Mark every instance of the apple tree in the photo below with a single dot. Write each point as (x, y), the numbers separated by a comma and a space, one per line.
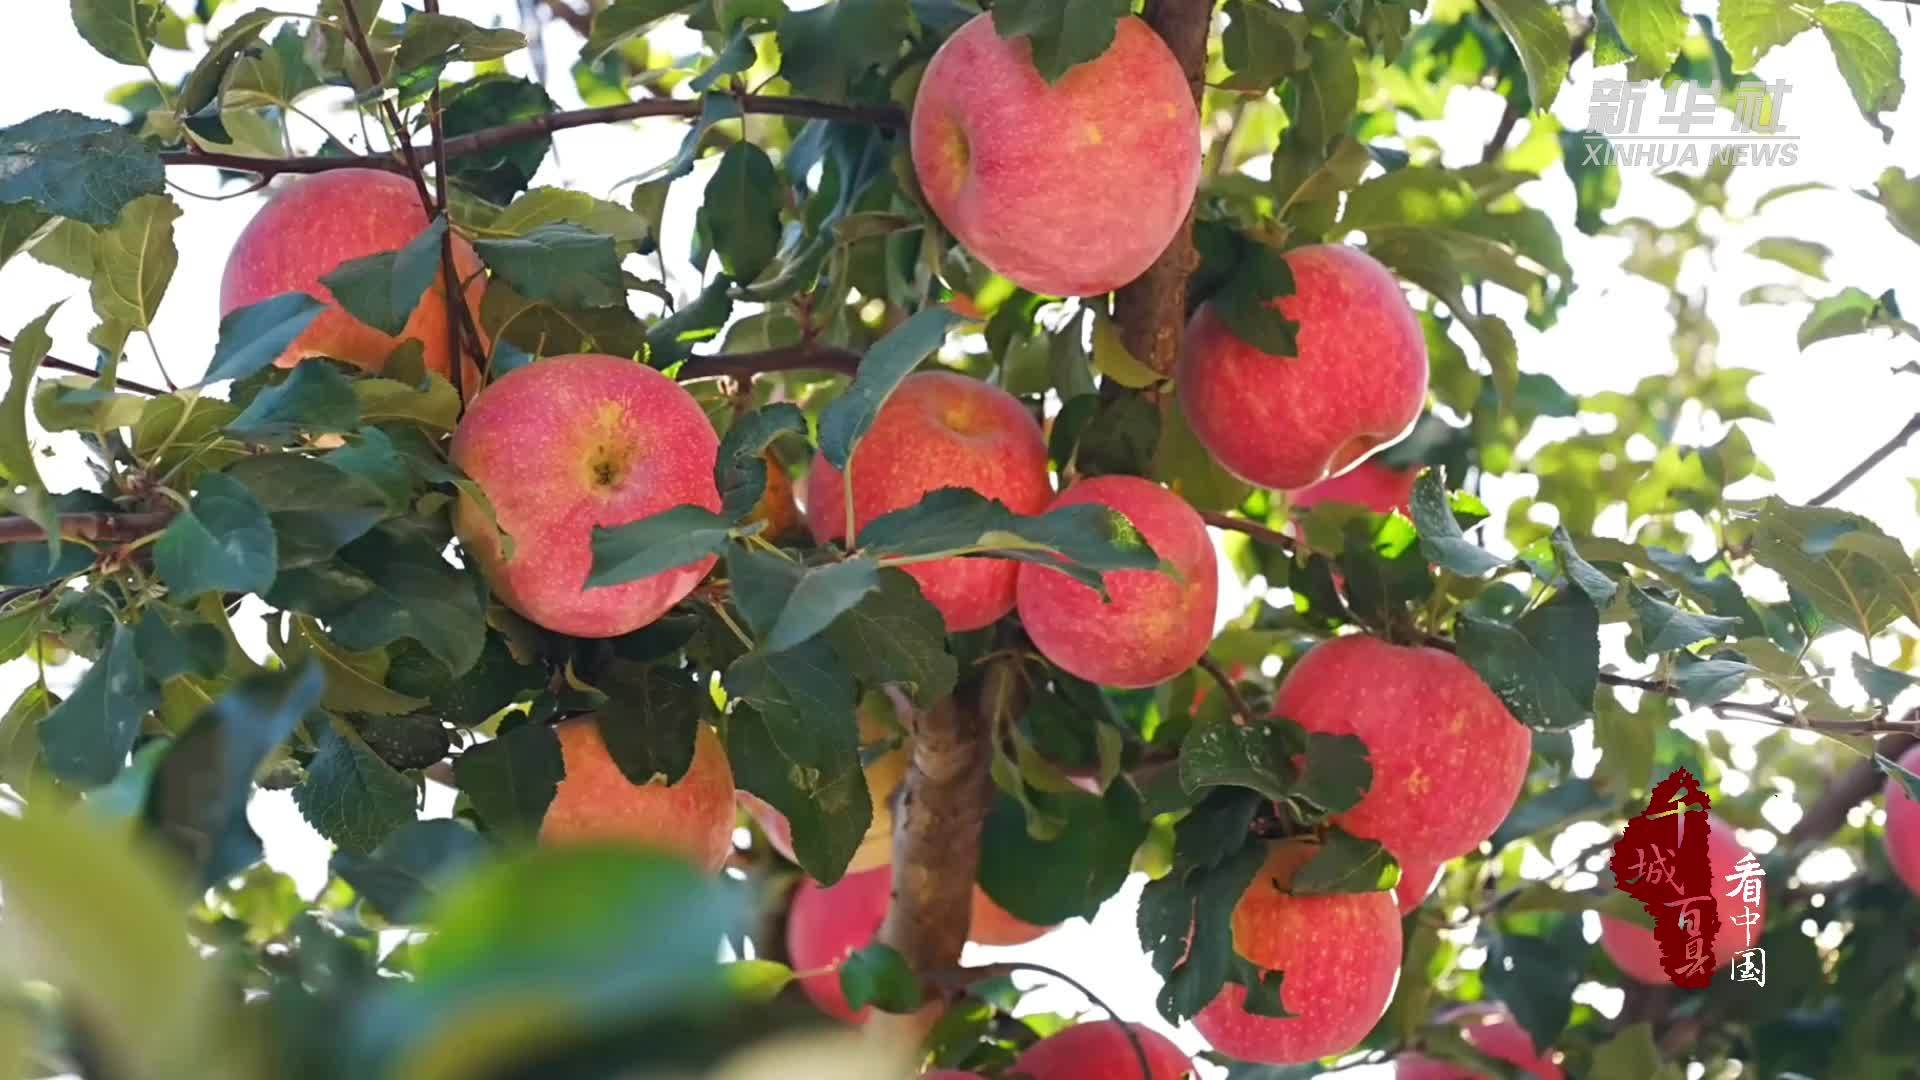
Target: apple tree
(1073, 463)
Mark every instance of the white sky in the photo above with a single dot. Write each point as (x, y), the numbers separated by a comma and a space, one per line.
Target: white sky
(1831, 405)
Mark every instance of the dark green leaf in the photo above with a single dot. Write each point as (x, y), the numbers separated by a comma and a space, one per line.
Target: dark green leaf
(350, 796)
(741, 470)
(878, 975)
(383, 290)
(488, 102)
(625, 19)
(1882, 684)
(1539, 35)
(1256, 756)
(1121, 437)
(1185, 924)
(561, 263)
(1063, 33)
(1902, 775)
(1545, 666)
(1441, 538)
(412, 593)
(1703, 682)
(198, 799)
(254, 336)
(1664, 627)
(120, 30)
(512, 779)
(412, 741)
(653, 545)
(1595, 171)
(76, 167)
(202, 87)
(1345, 863)
(1552, 810)
(1086, 862)
(824, 51)
(86, 738)
(1845, 564)
(1535, 976)
(1092, 538)
(315, 507)
(495, 681)
(742, 211)
(405, 874)
(176, 641)
(820, 596)
(650, 721)
(1338, 772)
(895, 636)
(891, 359)
(315, 399)
(1598, 586)
(1246, 302)
(224, 542)
(429, 41)
(1257, 45)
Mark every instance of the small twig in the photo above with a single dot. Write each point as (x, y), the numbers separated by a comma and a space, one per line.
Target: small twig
(1511, 114)
(402, 144)
(1234, 696)
(582, 22)
(99, 527)
(1848, 790)
(791, 358)
(449, 273)
(57, 364)
(961, 977)
(1251, 528)
(1885, 450)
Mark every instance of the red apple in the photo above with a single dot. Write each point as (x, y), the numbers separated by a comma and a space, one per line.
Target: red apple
(1376, 487)
(1903, 826)
(1448, 758)
(942, 430)
(595, 800)
(1636, 952)
(1289, 421)
(1339, 956)
(1071, 189)
(1492, 1032)
(1417, 879)
(1100, 1050)
(951, 1074)
(991, 924)
(1155, 625)
(567, 444)
(883, 777)
(313, 225)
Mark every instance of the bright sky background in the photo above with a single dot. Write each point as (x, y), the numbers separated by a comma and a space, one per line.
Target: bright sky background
(1831, 405)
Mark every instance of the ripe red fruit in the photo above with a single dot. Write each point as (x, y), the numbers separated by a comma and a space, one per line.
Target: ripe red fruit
(1903, 825)
(1155, 625)
(313, 225)
(1358, 384)
(1448, 758)
(1376, 487)
(941, 430)
(1417, 879)
(1493, 1033)
(1636, 952)
(596, 802)
(567, 444)
(1100, 1050)
(991, 924)
(1071, 189)
(1339, 955)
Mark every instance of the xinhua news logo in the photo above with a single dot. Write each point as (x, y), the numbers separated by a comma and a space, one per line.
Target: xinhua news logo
(1687, 125)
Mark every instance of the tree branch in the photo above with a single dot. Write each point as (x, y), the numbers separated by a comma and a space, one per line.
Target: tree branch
(1847, 790)
(101, 527)
(460, 322)
(1234, 697)
(358, 33)
(1885, 450)
(790, 358)
(1152, 309)
(581, 21)
(1251, 528)
(57, 364)
(886, 116)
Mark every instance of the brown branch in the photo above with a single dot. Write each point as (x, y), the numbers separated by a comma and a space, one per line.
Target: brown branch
(100, 527)
(456, 291)
(57, 364)
(936, 825)
(1234, 697)
(1251, 528)
(581, 21)
(411, 156)
(1152, 309)
(1849, 789)
(886, 116)
(790, 358)
(1886, 450)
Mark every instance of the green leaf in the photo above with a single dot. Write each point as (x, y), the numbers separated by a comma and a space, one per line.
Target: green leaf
(76, 167)
(1090, 537)
(410, 869)
(18, 466)
(1752, 27)
(202, 87)
(1707, 681)
(1882, 684)
(134, 261)
(650, 721)
(224, 542)
(1590, 163)
(741, 469)
(316, 508)
(1255, 756)
(630, 231)
(198, 799)
(895, 637)
(1653, 29)
(315, 399)
(511, 780)
(1188, 468)
(878, 975)
(1535, 975)
(1086, 862)
(1441, 538)
(1899, 195)
(1846, 565)
(1119, 436)
(1539, 35)
(488, 102)
(653, 545)
(797, 746)
(1338, 772)
(176, 641)
(430, 41)
(254, 336)
(741, 210)
(1852, 311)
(495, 681)
(1345, 863)
(1423, 258)
(1806, 256)
(350, 796)
(1631, 1053)
(820, 596)
(623, 20)
(560, 263)
(1113, 359)
(1246, 302)
(402, 588)
(1062, 33)
(1902, 775)
(120, 30)
(756, 981)
(1185, 923)
(891, 359)
(825, 51)
(1598, 586)
(1257, 45)
(1544, 667)
(22, 227)
(1867, 54)
(383, 290)
(354, 680)
(1664, 627)
(86, 738)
